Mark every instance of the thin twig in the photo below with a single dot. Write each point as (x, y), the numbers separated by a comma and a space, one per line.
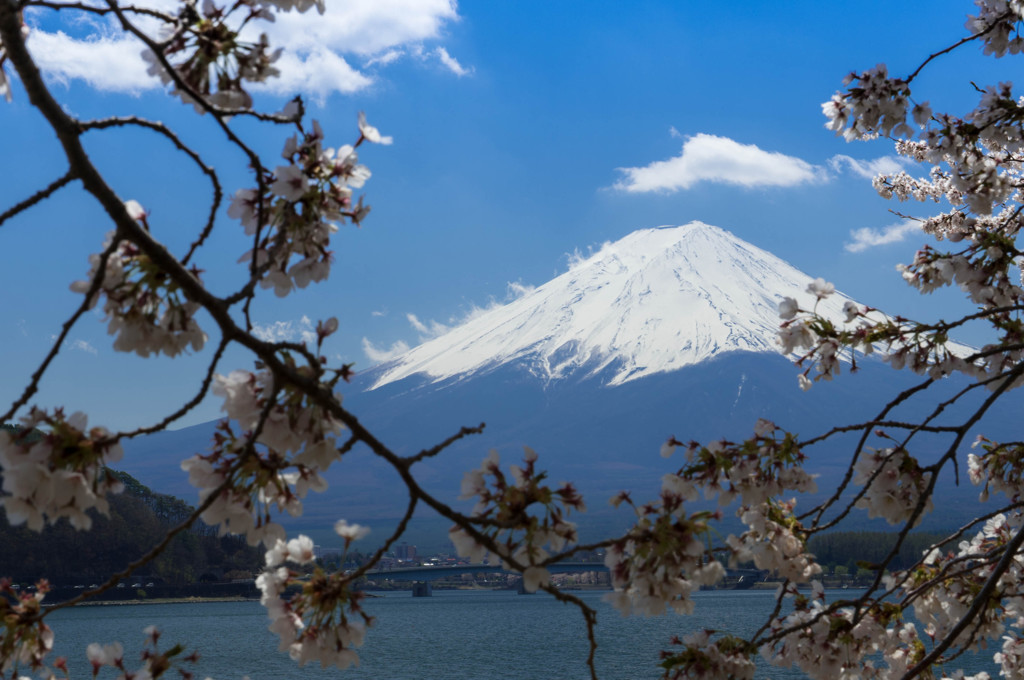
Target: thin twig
(35, 198)
(218, 192)
(434, 450)
(189, 405)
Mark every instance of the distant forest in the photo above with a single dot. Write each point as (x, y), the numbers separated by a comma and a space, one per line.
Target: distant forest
(855, 550)
(138, 520)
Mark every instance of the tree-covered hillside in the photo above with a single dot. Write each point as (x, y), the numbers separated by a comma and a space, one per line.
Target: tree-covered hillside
(139, 518)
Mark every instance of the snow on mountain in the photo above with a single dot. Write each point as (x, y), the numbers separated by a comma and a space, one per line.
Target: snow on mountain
(652, 302)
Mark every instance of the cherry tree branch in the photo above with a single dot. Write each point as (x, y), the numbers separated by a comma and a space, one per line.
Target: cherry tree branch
(37, 197)
(160, 128)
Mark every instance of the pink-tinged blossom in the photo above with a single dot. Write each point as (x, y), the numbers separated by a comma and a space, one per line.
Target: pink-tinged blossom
(144, 309)
(788, 308)
(895, 485)
(104, 655)
(534, 578)
(350, 532)
(135, 210)
(370, 133)
(289, 183)
(466, 545)
(820, 288)
(62, 474)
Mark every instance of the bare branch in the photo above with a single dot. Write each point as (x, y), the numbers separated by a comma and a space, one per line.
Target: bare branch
(35, 198)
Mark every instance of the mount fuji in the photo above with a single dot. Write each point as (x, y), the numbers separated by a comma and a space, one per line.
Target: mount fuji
(666, 332)
(653, 302)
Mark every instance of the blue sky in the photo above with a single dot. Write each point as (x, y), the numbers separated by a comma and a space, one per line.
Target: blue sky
(524, 131)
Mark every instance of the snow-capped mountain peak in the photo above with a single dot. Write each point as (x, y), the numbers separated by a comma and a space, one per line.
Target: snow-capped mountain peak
(654, 301)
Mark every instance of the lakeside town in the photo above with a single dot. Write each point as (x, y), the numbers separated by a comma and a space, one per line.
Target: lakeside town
(405, 569)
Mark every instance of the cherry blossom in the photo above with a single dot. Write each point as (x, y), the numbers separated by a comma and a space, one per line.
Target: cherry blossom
(285, 420)
(61, 474)
(145, 310)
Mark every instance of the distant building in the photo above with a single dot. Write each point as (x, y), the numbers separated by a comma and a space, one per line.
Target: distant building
(322, 552)
(405, 552)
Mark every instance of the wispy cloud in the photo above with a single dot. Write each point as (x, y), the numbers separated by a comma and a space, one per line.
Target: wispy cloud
(709, 158)
(378, 355)
(316, 50)
(428, 330)
(886, 165)
(83, 346)
(518, 289)
(451, 63)
(388, 57)
(78, 345)
(302, 330)
(868, 238)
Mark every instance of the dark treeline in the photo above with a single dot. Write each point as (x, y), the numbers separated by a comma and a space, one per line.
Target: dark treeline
(139, 519)
(854, 550)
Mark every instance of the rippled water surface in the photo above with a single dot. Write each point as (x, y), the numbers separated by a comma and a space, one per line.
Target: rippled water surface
(454, 635)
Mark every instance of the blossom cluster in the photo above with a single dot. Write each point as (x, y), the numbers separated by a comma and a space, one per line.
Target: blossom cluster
(764, 466)
(60, 472)
(26, 639)
(300, 205)
(145, 309)
(945, 586)
(894, 485)
(323, 621)
(1000, 468)
(155, 662)
(703, 658)
(252, 474)
(662, 558)
(207, 56)
(827, 642)
(521, 518)
(820, 342)
(774, 540)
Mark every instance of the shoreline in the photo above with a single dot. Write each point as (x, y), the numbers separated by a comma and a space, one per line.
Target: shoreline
(157, 600)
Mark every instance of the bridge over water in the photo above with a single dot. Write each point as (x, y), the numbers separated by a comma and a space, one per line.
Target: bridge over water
(423, 573)
(445, 571)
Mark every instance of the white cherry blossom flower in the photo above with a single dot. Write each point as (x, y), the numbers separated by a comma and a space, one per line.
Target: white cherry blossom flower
(370, 133)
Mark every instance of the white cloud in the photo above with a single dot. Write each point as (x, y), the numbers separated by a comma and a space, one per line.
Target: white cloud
(317, 72)
(886, 165)
(364, 27)
(377, 355)
(868, 238)
(313, 60)
(518, 289)
(451, 62)
(379, 312)
(431, 329)
(107, 63)
(83, 346)
(384, 59)
(709, 158)
(302, 330)
(80, 345)
(426, 331)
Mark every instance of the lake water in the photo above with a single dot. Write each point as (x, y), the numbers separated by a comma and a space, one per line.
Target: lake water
(454, 635)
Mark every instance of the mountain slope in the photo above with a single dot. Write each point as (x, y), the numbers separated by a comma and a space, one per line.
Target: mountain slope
(666, 332)
(654, 301)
